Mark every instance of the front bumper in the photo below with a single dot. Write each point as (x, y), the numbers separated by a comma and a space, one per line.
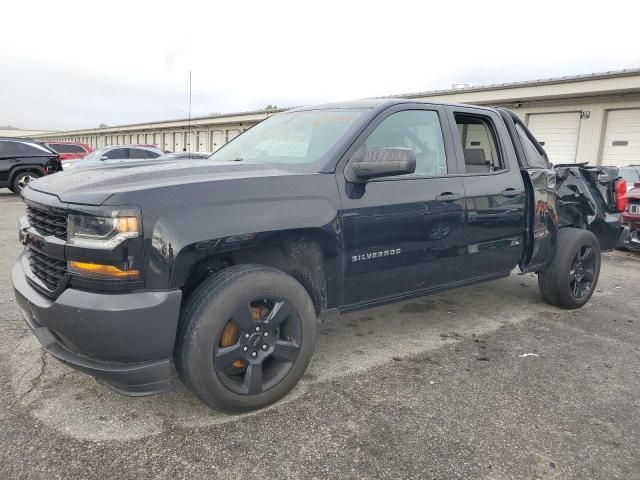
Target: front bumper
(124, 340)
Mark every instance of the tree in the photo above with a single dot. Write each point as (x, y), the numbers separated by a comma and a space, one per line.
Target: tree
(103, 125)
(271, 107)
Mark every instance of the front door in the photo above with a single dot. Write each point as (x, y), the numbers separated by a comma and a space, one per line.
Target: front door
(402, 233)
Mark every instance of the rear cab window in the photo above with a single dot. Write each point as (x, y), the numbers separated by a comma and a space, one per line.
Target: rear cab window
(478, 138)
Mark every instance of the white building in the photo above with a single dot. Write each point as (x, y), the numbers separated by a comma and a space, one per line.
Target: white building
(586, 118)
(22, 132)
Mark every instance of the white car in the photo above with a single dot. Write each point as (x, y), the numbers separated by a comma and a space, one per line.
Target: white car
(113, 155)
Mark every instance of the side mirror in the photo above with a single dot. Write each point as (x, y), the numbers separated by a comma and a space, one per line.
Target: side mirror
(103, 158)
(382, 162)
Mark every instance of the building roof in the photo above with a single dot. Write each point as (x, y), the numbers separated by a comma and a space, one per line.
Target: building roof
(262, 114)
(524, 83)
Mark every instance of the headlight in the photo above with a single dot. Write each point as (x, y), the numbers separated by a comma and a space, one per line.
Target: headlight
(101, 232)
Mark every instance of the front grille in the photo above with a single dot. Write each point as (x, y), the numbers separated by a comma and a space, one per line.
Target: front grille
(48, 223)
(634, 208)
(50, 270)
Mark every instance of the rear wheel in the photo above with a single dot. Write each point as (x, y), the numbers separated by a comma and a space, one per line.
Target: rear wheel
(22, 179)
(247, 337)
(570, 279)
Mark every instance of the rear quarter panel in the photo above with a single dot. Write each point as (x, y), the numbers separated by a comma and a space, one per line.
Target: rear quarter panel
(581, 204)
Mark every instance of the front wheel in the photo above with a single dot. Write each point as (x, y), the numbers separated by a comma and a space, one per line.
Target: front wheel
(571, 278)
(247, 337)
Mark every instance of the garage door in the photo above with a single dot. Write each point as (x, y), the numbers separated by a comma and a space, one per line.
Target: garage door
(201, 141)
(178, 141)
(558, 134)
(231, 134)
(217, 139)
(622, 138)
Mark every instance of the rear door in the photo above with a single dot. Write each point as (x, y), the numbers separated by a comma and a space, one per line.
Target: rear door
(402, 233)
(494, 192)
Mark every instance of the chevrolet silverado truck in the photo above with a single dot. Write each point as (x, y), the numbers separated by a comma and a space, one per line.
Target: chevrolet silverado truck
(222, 267)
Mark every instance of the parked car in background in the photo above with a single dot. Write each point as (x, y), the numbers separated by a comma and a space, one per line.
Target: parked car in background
(631, 174)
(70, 150)
(185, 155)
(114, 154)
(23, 160)
(631, 218)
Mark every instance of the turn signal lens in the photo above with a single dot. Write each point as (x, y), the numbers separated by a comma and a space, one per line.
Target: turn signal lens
(101, 271)
(127, 224)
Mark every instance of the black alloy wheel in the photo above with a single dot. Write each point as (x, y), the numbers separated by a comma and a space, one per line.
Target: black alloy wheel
(570, 279)
(582, 272)
(246, 338)
(265, 348)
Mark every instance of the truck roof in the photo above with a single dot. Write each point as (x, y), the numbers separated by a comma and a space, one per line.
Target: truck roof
(374, 103)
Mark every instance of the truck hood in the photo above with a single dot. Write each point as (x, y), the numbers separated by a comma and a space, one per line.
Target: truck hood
(93, 186)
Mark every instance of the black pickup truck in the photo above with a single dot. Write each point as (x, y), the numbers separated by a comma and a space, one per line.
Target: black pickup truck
(223, 266)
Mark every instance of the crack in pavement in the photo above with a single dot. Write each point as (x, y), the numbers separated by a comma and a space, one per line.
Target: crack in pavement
(35, 382)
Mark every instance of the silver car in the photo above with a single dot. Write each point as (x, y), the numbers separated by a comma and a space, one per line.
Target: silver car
(113, 155)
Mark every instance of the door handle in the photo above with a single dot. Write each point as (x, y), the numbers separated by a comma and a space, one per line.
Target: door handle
(511, 192)
(448, 197)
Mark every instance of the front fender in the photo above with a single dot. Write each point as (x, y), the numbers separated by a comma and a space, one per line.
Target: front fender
(179, 234)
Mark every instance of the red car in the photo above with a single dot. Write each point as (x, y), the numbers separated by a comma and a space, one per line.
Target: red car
(631, 217)
(71, 150)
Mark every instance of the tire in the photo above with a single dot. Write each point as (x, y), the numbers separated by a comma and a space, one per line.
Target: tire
(571, 278)
(223, 300)
(21, 180)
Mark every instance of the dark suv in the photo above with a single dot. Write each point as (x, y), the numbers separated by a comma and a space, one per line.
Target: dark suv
(22, 160)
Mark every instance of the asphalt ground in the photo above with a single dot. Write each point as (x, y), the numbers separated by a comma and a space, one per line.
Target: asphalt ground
(481, 382)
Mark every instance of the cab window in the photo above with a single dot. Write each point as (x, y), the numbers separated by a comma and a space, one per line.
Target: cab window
(479, 144)
(418, 130)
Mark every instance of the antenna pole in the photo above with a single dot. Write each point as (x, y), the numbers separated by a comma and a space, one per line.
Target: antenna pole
(189, 119)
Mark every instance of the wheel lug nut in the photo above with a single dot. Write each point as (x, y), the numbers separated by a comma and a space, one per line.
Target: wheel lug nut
(257, 329)
(264, 347)
(245, 349)
(266, 334)
(246, 335)
(254, 354)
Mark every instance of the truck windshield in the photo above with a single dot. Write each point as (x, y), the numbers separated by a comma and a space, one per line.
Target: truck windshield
(293, 138)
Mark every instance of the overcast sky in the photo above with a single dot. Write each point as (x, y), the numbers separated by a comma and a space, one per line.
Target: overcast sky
(67, 65)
